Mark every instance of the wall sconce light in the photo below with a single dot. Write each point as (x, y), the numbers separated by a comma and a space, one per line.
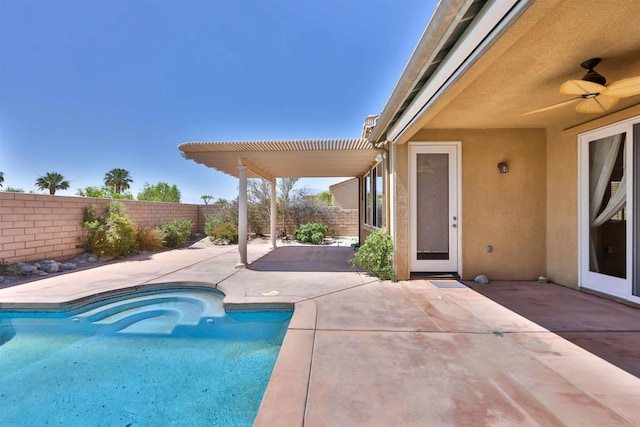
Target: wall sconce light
(503, 167)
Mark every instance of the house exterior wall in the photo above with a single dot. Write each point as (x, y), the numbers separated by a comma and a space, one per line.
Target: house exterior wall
(401, 209)
(507, 211)
(562, 208)
(345, 194)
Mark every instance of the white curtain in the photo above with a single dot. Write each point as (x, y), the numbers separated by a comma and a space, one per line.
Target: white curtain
(604, 153)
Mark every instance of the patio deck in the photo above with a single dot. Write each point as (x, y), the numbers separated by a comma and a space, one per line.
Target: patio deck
(363, 352)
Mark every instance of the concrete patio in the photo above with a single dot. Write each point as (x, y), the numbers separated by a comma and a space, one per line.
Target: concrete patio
(363, 352)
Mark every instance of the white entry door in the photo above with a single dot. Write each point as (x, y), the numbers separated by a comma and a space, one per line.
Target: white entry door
(434, 205)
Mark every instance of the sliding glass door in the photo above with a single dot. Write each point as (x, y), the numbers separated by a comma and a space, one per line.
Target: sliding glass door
(608, 165)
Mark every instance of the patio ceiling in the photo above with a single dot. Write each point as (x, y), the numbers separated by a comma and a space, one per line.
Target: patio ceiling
(310, 158)
(524, 69)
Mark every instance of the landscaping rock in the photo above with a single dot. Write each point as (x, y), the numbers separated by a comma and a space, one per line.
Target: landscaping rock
(27, 269)
(66, 266)
(482, 279)
(48, 266)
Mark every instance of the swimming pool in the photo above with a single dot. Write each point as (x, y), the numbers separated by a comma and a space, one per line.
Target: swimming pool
(158, 358)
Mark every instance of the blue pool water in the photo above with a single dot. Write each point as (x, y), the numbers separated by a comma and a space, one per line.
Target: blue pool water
(154, 359)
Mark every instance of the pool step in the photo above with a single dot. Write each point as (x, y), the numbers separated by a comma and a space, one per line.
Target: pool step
(155, 314)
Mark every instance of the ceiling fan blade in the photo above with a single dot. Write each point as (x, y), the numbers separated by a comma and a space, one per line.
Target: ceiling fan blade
(581, 87)
(596, 105)
(554, 106)
(624, 88)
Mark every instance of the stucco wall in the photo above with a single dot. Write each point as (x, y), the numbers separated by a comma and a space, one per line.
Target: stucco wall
(402, 212)
(562, 208)
(507, 211)
(345, 194)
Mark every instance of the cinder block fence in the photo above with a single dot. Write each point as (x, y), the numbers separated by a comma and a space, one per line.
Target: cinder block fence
(38, 226)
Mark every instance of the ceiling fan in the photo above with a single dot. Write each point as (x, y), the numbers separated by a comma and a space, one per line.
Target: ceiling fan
(592, 91)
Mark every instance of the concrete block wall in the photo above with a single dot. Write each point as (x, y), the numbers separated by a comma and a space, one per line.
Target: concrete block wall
(344, 222)
(38, 226)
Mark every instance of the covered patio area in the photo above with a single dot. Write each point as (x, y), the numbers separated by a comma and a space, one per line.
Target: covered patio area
(305, 158)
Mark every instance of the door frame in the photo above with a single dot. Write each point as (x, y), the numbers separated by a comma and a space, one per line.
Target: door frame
(615, 286)
(456, 175)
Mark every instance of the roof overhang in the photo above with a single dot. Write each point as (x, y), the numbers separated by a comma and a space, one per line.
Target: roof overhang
(305, 158)
(510, 61)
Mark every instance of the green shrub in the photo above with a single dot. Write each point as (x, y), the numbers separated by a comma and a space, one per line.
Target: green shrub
(150, 239)
(226, 231)
(177, 232)
(311, 233)
(111, 234)
(94, 230)
(120, 234)
(375, 255)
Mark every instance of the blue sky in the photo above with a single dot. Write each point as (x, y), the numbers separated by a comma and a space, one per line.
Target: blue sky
(88, 86)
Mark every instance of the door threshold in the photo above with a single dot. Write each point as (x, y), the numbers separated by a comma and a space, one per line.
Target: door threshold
(415, 275)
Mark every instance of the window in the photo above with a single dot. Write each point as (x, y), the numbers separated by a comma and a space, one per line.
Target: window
(373, 194)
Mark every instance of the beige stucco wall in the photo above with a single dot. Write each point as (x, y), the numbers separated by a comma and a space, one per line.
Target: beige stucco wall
(507, 211)
(401, 210)
(562, 207)
(345, 194)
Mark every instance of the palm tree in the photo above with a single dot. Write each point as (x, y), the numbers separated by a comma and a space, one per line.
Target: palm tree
(119, 179)
(52, 181)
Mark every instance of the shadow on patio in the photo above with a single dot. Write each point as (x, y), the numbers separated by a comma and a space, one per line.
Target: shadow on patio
(606, 328)
(306, 258)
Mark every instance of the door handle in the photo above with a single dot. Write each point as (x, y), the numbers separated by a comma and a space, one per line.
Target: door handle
(454, 226)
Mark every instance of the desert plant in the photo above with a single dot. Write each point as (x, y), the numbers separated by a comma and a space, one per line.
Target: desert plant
(177, 232)
(311, 233)
(375, 255)
(111, 234)
(119, 231)
(150, 239)
(225, 231)
(119, 179)
(160, 192)
(13, 190)
(94, 230)
(52, 181)
(304, 209)
(227, 212)
(206, 198)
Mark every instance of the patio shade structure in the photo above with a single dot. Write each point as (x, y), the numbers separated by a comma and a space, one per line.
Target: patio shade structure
(303, 158)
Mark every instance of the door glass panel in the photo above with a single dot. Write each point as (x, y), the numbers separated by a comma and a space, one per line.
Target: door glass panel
(607, 206)
(432, 204)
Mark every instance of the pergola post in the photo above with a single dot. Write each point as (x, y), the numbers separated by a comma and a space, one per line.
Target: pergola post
(242, 218)
(274, 214)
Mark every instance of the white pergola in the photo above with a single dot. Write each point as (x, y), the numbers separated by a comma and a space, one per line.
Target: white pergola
(306, 158)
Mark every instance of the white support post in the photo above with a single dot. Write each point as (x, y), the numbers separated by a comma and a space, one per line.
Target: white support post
(274, 214)
(242, 218)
